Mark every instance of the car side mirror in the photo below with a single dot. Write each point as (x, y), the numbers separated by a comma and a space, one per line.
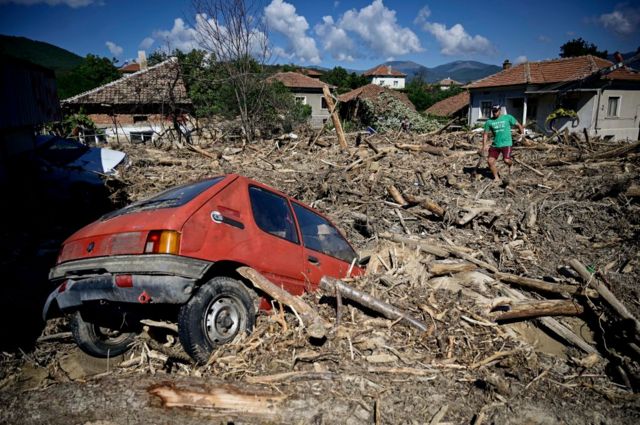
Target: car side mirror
(363, 261)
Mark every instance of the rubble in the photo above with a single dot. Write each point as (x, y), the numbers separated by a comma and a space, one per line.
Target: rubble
(448, 247)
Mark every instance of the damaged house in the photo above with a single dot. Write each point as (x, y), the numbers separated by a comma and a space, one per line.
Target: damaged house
(139, 106)
(351, 102)
(602, 99)
(307, 91)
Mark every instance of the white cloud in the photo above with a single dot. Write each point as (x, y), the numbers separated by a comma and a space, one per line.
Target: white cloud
(456, 41)
(71, 3)
(181, 37)
(114, 48)
(521, 59)
(335, 40)
(623, 20)
(146, 43)
(282, 17)
(423, 14)
(544, 39)
(377, 26)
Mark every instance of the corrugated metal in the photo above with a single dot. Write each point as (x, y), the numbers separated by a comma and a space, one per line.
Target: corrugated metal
(27, 94)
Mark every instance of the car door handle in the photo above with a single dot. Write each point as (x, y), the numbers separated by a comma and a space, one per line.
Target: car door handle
(313, 260)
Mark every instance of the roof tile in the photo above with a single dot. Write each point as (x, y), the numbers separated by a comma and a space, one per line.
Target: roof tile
(450, 105)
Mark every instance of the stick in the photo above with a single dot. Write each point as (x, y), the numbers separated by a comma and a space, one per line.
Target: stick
(525, 165)
(334, 117)
(529, 309)
(291, 376)
(331, 285)
(314, 324)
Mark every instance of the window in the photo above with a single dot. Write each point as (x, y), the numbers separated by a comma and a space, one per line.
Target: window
(173, 197)
(395, 83)
(612, 108)
(302, 100)
(319, 235)
(324, 103)
(140, 136)
(272, 214)
(485, 109)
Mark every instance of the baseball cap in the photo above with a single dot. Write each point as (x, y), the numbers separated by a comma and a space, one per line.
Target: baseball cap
(496, 107)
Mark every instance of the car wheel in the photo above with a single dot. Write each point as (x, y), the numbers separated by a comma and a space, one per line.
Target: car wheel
(99, 341)
(219, 311)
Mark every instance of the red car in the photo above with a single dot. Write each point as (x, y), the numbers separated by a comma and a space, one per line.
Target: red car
(177, 253)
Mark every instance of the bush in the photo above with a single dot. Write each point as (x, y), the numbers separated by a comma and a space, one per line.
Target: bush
(387, 113)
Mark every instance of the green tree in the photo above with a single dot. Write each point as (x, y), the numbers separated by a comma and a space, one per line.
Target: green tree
(580, 47)
(156, 57)
(93, 72)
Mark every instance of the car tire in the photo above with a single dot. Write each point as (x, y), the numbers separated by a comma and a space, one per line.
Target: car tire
(219, 311)
(99, 341)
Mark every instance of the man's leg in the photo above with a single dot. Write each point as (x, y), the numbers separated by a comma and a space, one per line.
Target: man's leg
(506, 157)
(491, 160)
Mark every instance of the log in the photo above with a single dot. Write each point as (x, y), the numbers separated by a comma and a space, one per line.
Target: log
(334, 117)
(315, 325)
(529, 309)
(605, 293)
(633, 191)
(396, 195)
(439, 268)
(331, 285)
(541, 285)
(427, 204)
(436, 250)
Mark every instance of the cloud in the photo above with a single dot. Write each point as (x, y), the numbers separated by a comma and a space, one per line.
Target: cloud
(181, 37)
(544, 39)
(456, 41)
(71, 3)
(335, 40)
(282, 17)
(114, 48)
(146, 43)
(423, 14)
(521, 59)
(623, 20)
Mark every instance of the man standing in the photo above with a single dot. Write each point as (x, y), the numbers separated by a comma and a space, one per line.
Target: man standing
(500, 127)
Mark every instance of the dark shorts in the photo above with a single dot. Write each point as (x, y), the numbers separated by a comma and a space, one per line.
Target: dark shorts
(495, 152)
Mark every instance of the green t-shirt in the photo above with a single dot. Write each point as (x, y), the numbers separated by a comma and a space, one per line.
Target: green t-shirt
(501, 129)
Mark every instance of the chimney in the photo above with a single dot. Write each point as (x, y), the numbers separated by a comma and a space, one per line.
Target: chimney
(617, 56)
(389, 69)
(506, 64)
(142, 60)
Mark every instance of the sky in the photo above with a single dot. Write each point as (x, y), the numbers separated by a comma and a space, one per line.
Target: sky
(357, 34)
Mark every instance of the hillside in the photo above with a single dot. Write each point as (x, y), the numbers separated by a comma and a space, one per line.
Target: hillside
(463, 71)
(40, 53)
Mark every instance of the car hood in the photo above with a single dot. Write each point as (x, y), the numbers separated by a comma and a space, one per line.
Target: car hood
(99, 160)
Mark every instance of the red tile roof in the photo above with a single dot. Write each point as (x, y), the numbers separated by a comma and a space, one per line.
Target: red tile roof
(371, 92)
(552, 71)
(130, 67)
(624, 74)
(449, 82)
(297, 81)
(450, 105)
(154, 85)
(309, 72)
(383, 71)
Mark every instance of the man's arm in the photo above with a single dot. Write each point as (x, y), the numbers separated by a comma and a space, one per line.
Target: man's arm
(485, 139)
(521, 129)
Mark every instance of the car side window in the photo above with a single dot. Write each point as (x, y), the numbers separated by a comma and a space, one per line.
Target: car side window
(320, 235)
(272, 214)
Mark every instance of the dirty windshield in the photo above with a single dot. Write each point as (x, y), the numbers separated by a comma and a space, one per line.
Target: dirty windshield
(173, 197)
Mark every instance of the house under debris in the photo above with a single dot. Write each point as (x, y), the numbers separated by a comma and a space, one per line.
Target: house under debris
(139, 106)
(350, 102)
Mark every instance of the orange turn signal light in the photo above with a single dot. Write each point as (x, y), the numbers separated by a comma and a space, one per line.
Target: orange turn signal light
(162, 242)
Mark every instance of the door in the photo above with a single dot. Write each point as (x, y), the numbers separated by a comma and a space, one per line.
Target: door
(325, 251)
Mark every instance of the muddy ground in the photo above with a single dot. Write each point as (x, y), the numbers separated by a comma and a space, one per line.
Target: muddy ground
(572, 199)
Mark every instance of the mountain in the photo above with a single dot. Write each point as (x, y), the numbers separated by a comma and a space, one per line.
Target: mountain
(40, 53)
(462, 71)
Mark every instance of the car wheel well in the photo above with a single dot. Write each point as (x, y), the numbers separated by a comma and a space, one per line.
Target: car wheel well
(230, 269)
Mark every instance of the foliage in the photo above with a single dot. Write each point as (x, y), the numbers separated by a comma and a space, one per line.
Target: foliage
(343, 80)
(44, 54)
(580, 47)
(93, 72)
(561, 113)
(387, 114)
(158, 56)
(423, 95)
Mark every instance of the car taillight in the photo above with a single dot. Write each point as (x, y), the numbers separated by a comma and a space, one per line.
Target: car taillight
(162, 242)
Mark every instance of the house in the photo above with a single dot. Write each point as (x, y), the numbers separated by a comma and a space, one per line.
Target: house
(313, 73)
(384, 75)
(138, 106)
(605, 97)
(307, 91)
(447, 83)
(29, 100)
(454, 106)
(350, 101)
(129, 68)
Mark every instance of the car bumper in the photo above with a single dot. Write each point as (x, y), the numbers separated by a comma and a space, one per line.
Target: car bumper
(158, 279)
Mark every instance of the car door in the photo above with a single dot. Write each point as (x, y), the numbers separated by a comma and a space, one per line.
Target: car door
(276, 241)
(325, 251)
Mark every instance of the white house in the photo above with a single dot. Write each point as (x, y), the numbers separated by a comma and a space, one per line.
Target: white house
(384, 75)
(604, 96)
(307, 91)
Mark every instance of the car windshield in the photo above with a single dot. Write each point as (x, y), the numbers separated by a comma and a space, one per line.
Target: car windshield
(170, 198)
(62, 151)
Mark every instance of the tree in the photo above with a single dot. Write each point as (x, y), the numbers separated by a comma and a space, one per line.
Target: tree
(157, 57)
(235, 38)
(344, 81)
(93, 72)
(580, 47)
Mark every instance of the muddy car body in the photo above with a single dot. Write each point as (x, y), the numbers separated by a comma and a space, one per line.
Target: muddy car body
(181, 248)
